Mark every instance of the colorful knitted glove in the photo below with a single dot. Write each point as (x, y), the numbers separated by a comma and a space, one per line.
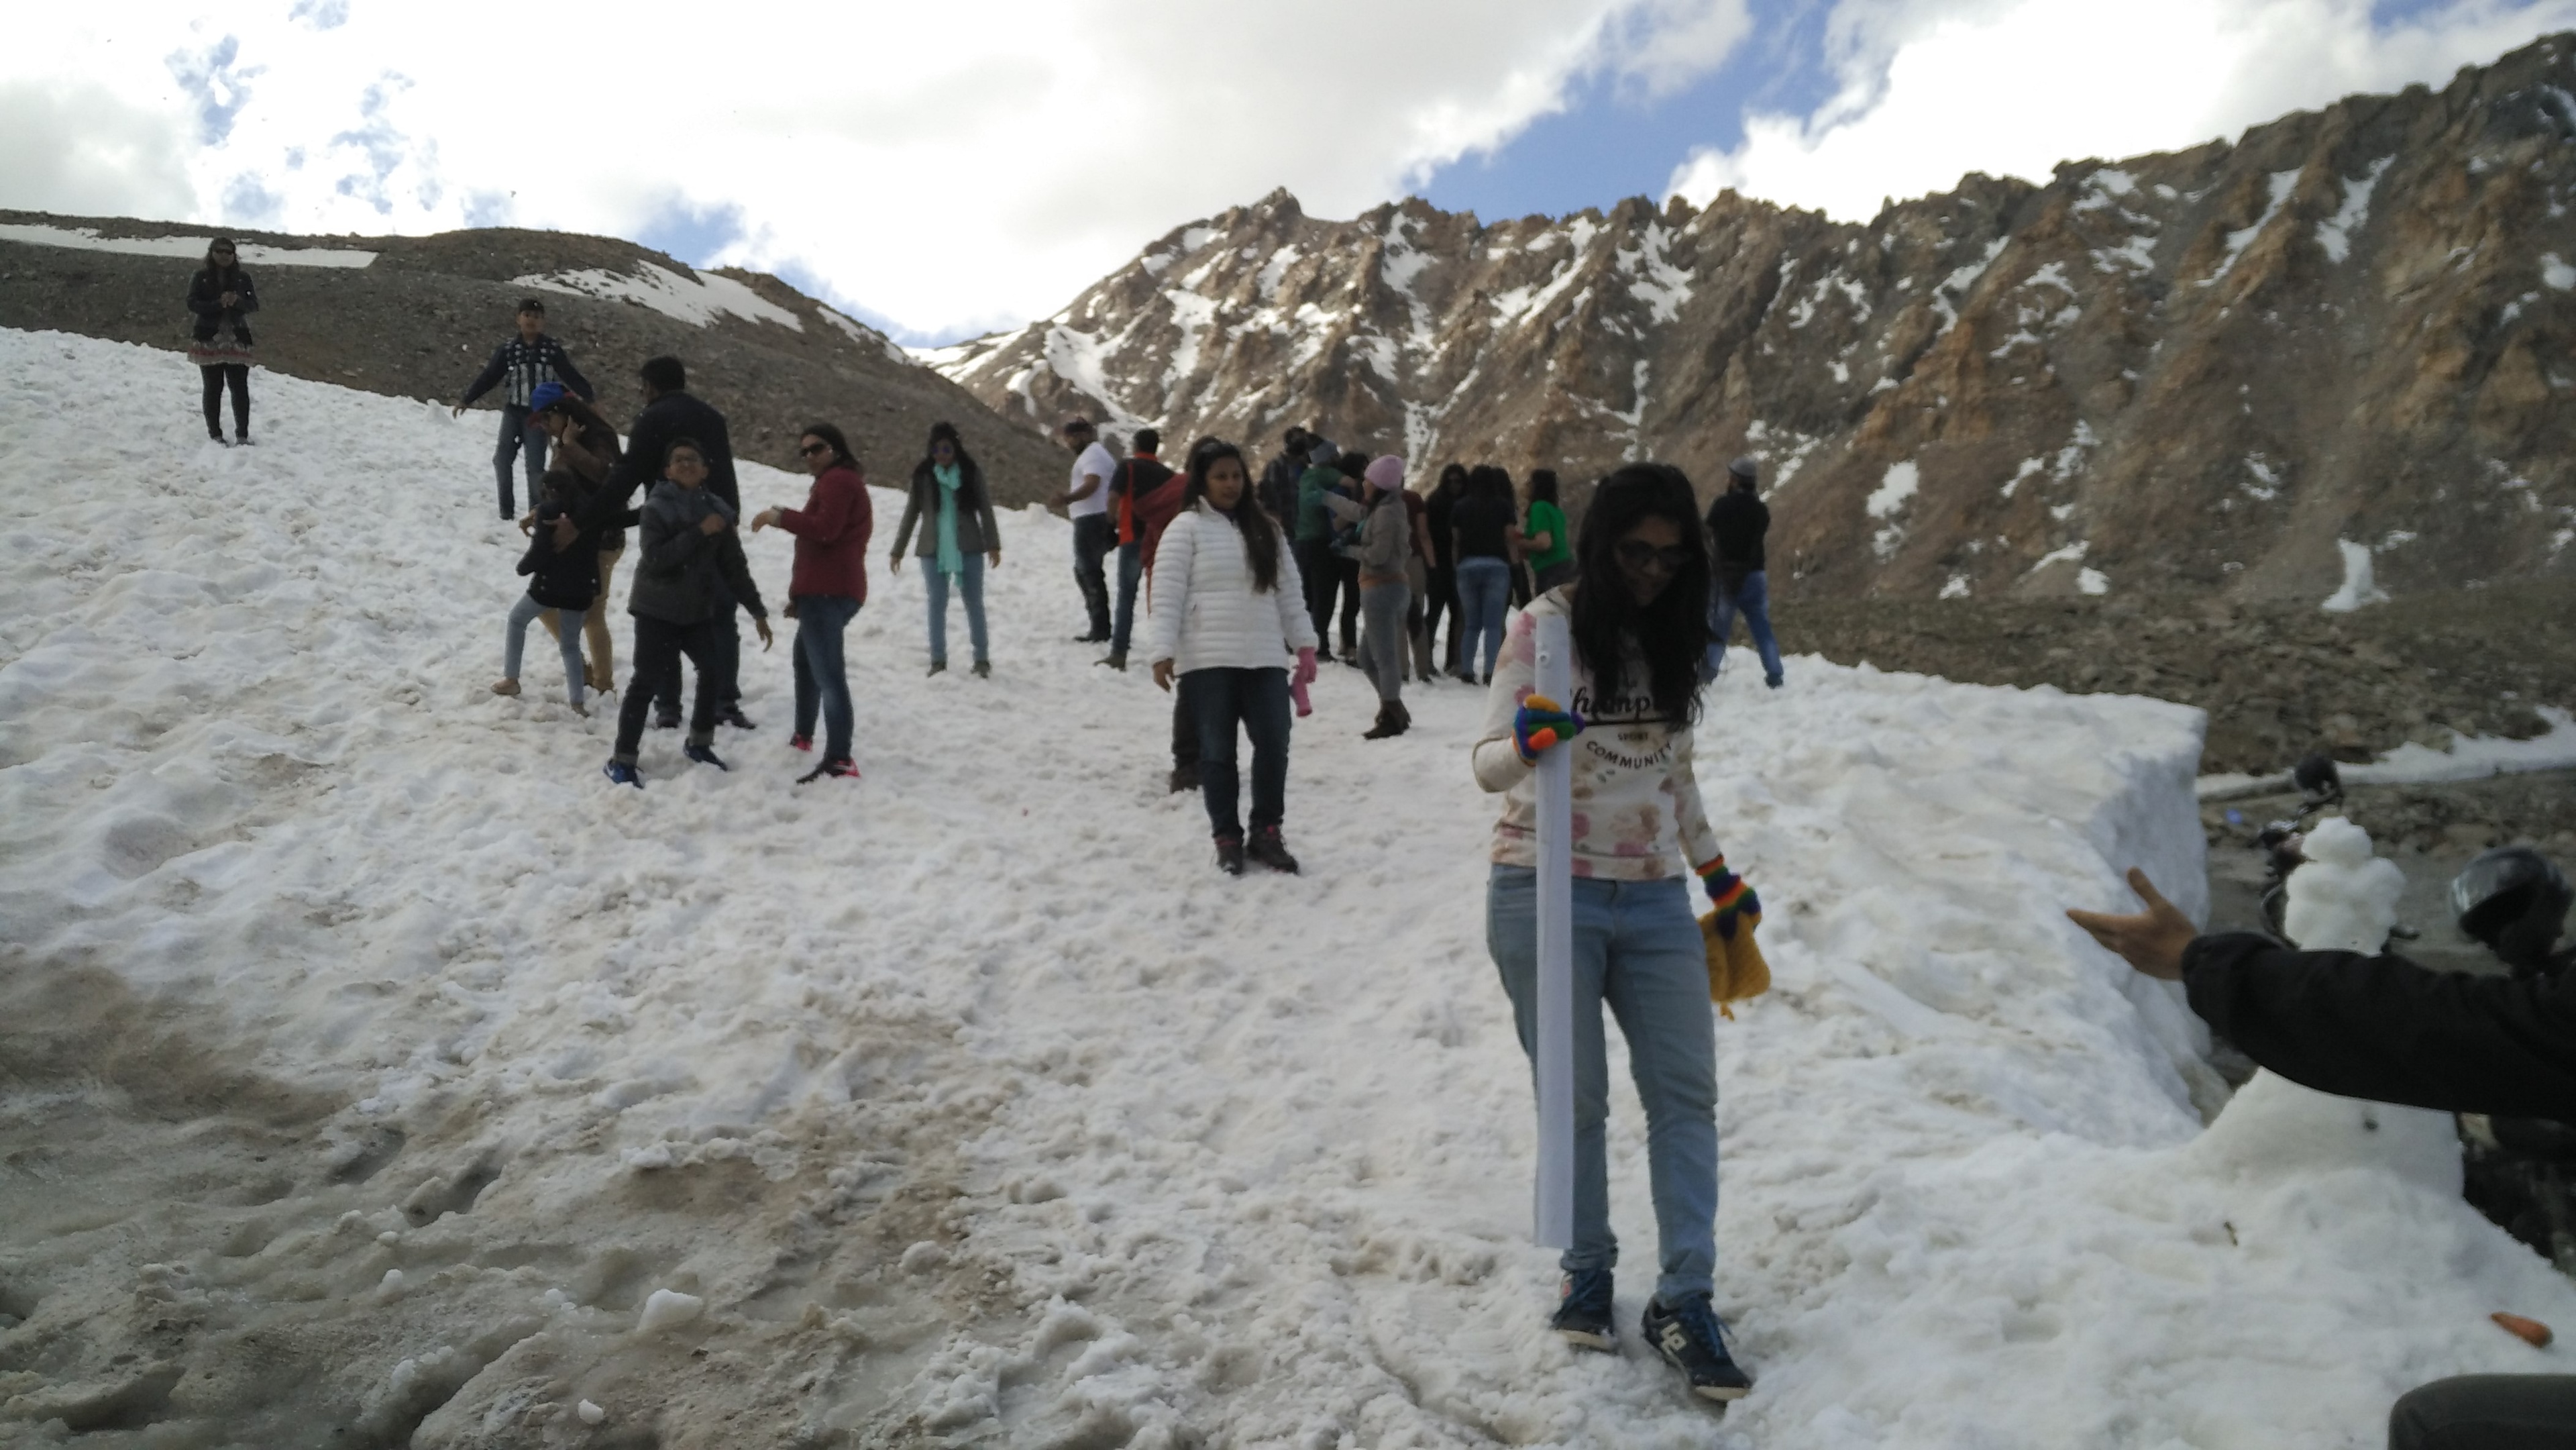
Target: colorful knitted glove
(1728, 893)
(1542, 724)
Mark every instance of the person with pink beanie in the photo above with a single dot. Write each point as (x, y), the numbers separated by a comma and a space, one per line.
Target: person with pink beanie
(1386, 540)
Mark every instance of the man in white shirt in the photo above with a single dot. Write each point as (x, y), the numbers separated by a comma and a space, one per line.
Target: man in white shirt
(1086, 502)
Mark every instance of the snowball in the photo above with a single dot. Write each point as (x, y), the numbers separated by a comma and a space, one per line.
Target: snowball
(590, 1414)
(668, 1309)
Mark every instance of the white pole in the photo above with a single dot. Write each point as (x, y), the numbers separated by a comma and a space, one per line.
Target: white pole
(1555, 1186)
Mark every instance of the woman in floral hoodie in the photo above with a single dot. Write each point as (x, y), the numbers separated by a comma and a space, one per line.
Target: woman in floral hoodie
(1637, 609)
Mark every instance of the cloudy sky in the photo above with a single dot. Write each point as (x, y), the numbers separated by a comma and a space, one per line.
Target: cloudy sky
(945, 170)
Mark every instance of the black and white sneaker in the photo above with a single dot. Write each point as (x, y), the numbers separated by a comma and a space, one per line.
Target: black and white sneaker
(1691, 1340)
(1584, 1317)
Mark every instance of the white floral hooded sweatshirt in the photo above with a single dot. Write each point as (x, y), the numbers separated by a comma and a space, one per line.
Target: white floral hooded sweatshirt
(1637, 811)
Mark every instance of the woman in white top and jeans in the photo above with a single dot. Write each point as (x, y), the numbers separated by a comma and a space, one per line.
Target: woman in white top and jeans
(1637, 609)
(1228, 610)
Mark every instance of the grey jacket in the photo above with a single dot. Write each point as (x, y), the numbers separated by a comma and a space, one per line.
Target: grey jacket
(688, 575)
(1386, 538)
(977, 533)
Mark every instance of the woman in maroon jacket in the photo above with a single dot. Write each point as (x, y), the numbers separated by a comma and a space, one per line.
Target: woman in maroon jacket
(829, 585)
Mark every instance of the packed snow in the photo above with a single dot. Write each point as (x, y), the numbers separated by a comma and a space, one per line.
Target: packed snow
(251, 254)
(2555, 272)
(2336, 232)
(2358, 589)
(969, 1101)
(2280, 184)
(697, 299)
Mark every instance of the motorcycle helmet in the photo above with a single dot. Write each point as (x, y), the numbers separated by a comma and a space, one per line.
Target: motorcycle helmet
(2513, 901)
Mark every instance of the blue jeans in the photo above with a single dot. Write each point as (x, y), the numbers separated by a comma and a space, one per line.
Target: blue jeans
(515, 644)
(1217, 699)
(1484, 592)
(970, 583)
(1131, 568)
(822, 681)
(1752, 599)
(519, 436)
(1637, 948)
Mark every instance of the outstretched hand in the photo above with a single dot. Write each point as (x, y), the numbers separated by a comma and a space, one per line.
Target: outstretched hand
(2151, 941)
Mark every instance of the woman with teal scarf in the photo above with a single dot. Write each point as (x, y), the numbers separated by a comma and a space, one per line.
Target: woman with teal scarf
(949, 489)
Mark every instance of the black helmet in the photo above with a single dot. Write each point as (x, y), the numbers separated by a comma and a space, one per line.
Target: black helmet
(2513, 900)
(2316, 775)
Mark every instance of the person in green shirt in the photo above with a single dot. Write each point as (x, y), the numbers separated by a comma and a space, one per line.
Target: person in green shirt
(1551, 553)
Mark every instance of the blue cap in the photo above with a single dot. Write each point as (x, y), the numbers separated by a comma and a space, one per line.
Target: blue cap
(545, 396)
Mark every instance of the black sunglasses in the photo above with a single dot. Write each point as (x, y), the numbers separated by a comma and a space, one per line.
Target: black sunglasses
(810, 449)
(1638, 555)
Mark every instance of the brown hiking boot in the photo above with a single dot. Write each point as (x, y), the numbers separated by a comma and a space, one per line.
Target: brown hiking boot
(1266, 848)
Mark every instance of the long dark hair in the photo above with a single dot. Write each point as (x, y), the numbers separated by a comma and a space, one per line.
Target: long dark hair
(1260, 535)
(211, 269)
(1542, 484)
(1672, 632)
(587, 418)
(1453, 482)
(946, 432)
(1487, 480)
(840, 446)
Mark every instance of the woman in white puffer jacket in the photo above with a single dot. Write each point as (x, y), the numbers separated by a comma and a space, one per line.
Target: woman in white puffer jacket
(1227, 612)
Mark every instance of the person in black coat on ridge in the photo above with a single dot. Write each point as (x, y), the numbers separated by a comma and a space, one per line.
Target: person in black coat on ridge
(672, 413)
(221, 295)
(2386, 1029)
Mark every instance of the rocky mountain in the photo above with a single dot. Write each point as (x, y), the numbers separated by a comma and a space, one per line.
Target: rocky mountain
(418, 315)
(2243, 369)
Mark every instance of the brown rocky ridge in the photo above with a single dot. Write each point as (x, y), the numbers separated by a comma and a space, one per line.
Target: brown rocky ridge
(2190, 373)
(422, 317)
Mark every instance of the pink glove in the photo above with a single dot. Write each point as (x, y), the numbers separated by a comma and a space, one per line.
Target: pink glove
(1304, 674)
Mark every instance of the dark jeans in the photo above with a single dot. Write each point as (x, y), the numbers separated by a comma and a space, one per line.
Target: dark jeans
(1443, 595)
(218, 377)
(1093, 537)
(1218, 699)
(2486, 1412)
(1315, 565)
(519, 436)
(725, 660)
(1185, 732)
(1131, 569)
(1752, 599)
(658, 647)
(822, 680)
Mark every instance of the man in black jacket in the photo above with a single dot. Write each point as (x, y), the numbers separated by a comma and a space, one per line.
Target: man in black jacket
(2386, 1029)
(1278, 491)
(671, 413)
(525, 361)
(1737, 523)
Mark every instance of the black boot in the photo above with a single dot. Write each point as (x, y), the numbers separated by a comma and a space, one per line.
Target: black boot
(1229, 855)
(1272, 852)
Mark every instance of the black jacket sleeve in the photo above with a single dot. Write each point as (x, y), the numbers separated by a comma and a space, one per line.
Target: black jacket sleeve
(572, 375)
(737, 572)
(491, 374)
(2389, 1030)
(246, 290)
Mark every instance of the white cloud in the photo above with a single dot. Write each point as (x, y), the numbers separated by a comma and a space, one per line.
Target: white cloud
(102, 156)
(944, 165)
(1932, 89)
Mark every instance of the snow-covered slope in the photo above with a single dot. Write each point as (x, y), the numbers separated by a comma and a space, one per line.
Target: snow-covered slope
(366, 1061)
